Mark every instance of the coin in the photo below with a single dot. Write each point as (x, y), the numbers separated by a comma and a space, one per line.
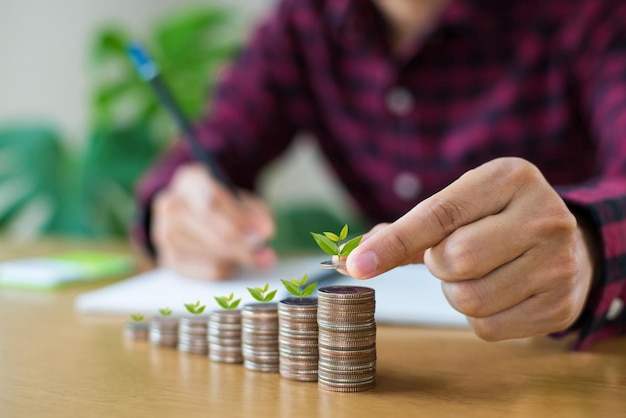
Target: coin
(136, 331)
(192, 334)
(164, 331)
(224, 336)
(297, 339)
(259, 337)
(347, 338)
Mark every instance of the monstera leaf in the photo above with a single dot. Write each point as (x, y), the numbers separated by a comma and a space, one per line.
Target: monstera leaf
(38, 191)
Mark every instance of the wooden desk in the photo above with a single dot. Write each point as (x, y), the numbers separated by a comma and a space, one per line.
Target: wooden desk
(55, 363)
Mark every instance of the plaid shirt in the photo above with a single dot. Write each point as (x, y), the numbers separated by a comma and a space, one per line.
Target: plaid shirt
(541, 80)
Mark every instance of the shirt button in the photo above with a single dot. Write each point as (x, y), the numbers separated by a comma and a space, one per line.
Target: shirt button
(615, 310)
(399, 101)
(407, 185)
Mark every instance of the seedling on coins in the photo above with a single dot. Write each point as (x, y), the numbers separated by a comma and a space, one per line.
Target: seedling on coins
(137, 317)
(261, 294)
(227, 302)
(165, 311)
(334, 245)
(298, 288)
(195, 308)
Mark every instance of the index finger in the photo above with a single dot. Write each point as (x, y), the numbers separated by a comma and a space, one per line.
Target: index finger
(478, 193)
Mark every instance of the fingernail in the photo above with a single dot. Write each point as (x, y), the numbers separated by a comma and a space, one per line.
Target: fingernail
(364, 264)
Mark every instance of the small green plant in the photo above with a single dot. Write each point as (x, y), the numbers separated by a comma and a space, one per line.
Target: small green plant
(165, 311)
(261, 294)
(228, 302)
(137, 317)
(333, 244)
(195, 308)
(298, 288)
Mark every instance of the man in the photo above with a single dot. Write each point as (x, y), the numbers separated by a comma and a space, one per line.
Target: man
(492, 135)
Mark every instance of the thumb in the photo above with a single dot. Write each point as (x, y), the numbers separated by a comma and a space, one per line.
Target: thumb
(385, 248)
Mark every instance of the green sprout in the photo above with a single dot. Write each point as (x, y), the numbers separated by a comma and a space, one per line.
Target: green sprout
(332, 244)
(195, 308)
(261, 294)
(137, 317)
(297, 288)
(228, 302)
(165, 311)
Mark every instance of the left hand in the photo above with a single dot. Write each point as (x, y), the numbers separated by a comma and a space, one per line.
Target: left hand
(509, 252)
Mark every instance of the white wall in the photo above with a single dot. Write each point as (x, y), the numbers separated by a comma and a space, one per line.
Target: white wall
(44, 46)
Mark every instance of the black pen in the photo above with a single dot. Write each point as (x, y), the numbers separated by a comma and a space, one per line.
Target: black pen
(149, 72)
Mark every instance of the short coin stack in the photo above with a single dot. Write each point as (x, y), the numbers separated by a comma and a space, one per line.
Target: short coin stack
(136, 331)
(347, 338)
(164, 332)
(259, 337)
(224, 336)
(297, 338)
(192, 335)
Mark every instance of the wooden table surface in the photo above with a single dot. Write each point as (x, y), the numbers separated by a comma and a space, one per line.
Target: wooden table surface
(56, 363)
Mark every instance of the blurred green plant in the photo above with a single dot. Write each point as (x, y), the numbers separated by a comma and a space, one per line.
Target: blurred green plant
(190, 47)
(48, 187)
(130, 127)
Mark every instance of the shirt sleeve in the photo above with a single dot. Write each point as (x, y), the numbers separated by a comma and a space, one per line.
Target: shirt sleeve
(247, 122)
(600, 70)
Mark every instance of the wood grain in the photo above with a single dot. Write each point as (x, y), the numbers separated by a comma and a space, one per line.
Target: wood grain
(55, 363)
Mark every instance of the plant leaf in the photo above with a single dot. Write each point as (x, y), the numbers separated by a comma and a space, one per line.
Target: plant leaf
(256, 294)
(309, 290)
(267, 286)
(303, 281)
(325, 243)
(291, 287)
(200, 309)
(222, 302)
(269, 296)
(344, 232)
(332, 236)
(350, 245)
(165, 311)
(190, 307)
(137, 317)
(229, 298)
(235, 304)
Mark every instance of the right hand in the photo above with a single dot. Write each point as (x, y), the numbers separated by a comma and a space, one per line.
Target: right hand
(201, 230)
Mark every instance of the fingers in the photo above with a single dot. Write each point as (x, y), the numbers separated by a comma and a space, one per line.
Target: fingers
(199, 227)
(478, 193)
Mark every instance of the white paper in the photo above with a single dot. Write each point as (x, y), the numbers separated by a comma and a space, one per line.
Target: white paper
(405, 295)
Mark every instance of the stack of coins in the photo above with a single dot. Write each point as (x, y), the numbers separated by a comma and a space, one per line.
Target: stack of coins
(259, 337)
(164, 332)
(224, 336)
(192, 335)
(347, 338)
(136, 331)
(297, 339)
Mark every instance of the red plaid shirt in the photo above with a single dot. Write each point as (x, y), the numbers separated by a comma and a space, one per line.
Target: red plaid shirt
(541, 80)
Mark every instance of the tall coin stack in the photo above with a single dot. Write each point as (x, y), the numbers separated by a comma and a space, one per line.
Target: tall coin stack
(164, 332)
(297, 338)
(347, 338)
(259, 337)
(224, 336)
(192, 335)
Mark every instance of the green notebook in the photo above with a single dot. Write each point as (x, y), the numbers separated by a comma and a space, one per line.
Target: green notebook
(64, 270)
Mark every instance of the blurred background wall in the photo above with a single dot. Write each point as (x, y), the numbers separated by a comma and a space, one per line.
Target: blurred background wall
(50, 133)
(44, 46)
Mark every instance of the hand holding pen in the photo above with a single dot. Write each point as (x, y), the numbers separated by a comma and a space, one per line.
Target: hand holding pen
(202, 226)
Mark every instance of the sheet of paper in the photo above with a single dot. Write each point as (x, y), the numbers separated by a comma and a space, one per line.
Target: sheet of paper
(406, 295)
